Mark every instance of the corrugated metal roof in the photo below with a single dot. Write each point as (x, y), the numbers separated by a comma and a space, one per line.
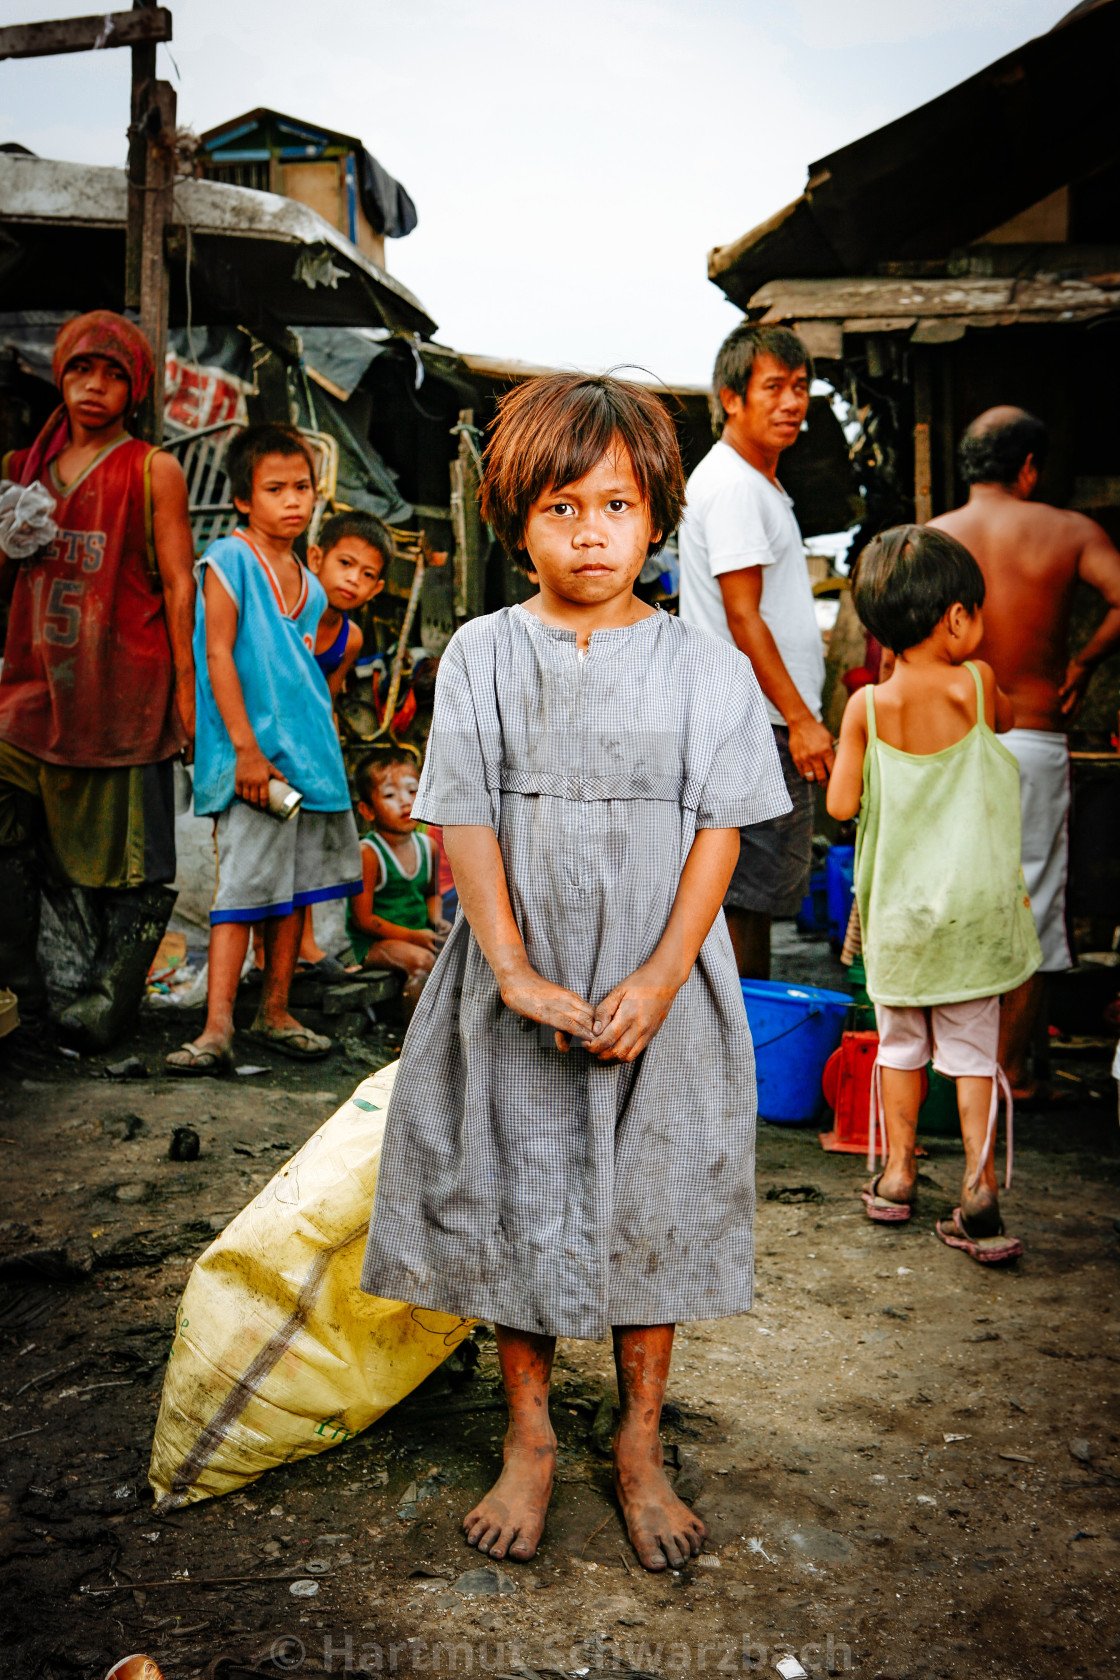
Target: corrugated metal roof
(280, 252)
(950, 171)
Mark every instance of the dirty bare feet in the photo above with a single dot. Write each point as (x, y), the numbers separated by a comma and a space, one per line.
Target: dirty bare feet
(662, 1529)
(509, 1520)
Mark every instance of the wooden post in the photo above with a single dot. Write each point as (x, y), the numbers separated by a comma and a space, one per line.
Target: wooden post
(470, 581)
(923, 457)
(143, 72)
(948, 496)
(151, 159)
(158, 211)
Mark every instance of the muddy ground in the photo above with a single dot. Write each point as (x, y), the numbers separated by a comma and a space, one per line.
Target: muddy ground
(909, 1466)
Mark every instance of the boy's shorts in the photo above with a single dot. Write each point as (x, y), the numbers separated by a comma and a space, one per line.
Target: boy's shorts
(270, 868)
(961, 1038)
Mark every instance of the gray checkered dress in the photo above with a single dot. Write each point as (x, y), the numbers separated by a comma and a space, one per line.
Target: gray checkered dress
(551, 1192)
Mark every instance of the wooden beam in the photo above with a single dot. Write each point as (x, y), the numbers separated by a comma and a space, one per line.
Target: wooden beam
(143, 72)
(85, 34)
(159, 209)
(470, 545)
(923, 454)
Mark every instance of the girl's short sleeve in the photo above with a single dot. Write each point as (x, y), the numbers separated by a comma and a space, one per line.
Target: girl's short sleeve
(459, 782)
(744, 783)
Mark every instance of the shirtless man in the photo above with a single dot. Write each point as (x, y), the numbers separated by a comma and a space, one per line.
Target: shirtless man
(1032, 557)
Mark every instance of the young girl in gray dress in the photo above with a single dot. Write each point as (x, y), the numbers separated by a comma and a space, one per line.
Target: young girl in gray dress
(569, 1149)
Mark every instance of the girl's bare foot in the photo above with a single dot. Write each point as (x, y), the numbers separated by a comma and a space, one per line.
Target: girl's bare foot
(662, 1529)
(510, 1518)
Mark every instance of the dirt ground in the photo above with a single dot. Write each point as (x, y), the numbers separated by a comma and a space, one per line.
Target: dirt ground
(909, 1465)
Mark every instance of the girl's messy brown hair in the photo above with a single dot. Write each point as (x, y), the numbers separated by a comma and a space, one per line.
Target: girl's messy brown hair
(551, 431)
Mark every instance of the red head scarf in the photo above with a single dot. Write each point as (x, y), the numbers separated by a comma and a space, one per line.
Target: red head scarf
(101, 333)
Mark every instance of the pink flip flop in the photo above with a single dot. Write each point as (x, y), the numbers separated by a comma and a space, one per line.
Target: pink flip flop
(882, 1211)
(987, 1251)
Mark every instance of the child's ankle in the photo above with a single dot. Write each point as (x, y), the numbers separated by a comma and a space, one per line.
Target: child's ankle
(531, 1429)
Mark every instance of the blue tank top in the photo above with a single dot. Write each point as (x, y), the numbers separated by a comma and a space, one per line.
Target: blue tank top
(285, 693)
(331, 658)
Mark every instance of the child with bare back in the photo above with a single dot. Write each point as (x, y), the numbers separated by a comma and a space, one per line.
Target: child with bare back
(569, 1148)
(945, 918)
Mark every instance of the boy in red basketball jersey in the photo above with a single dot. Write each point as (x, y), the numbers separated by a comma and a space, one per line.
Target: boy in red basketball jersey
(97, 688)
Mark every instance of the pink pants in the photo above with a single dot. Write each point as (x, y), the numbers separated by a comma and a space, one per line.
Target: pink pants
(961, 1039)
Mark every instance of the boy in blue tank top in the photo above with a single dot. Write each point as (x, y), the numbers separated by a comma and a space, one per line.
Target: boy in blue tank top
(263, 714)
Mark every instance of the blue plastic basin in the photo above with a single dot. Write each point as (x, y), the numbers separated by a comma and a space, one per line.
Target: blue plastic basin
(795, 1030)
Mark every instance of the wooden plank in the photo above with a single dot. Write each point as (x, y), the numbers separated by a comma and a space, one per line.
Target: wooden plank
(470, 547)
(143, 72)
(85, 34)
(923, 455)
(855, 299)
(159, 208)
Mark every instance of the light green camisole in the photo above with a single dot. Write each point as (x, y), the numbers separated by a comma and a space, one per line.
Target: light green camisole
(942, 904)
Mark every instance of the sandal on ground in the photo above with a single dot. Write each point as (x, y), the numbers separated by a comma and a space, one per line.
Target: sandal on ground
(192, 1062)
(882, 1211)
(300, 1043)
(992, 1250)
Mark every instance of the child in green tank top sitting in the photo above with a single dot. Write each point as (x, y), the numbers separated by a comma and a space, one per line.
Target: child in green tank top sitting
(396, 921)
(947, 924)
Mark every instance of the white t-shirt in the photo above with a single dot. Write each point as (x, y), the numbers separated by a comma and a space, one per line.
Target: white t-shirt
(736, 518)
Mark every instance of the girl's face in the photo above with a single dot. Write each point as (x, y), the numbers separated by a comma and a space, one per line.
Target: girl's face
(587, 541)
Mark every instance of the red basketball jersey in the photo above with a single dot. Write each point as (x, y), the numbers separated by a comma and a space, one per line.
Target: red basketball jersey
(88, 678)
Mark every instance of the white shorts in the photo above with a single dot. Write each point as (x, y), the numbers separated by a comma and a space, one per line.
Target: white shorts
(961, 1039)
(1044, 795)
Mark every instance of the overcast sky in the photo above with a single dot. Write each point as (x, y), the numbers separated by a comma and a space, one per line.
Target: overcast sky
(572, 163)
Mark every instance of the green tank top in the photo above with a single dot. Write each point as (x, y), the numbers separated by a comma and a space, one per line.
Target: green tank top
(942, 904)
(401, 898)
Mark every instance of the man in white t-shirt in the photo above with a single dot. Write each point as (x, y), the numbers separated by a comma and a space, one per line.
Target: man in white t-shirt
(744, 578)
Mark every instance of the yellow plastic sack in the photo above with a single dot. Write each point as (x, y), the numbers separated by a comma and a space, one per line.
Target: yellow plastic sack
(277, 1352)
